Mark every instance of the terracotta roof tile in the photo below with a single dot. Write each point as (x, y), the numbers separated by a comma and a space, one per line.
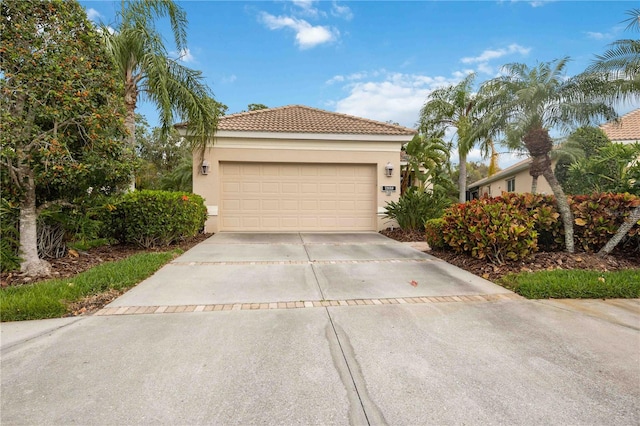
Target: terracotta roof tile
(303, 119)
(627, 128)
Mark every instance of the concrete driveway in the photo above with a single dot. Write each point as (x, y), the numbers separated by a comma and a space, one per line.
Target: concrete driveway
(324, 329)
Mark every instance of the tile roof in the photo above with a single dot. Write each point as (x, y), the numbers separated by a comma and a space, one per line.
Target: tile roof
(627, 128)
(303, 119)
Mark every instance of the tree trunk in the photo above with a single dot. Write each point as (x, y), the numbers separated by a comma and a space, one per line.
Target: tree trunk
(629, 222)
(534, 184)
(406, 172)
(130, 99)
(462, 179)
(563, 207)
(31, 264)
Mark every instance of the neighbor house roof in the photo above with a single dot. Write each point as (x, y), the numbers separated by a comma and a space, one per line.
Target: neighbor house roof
(627, 128)
(303, 119)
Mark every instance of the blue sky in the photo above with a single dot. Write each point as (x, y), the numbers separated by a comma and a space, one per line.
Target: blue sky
(380, 59)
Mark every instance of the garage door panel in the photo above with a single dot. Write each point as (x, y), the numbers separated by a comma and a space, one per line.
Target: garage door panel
(328, 188)
(251, 187)
(251, 170)
(289, 206)
(250, 205)
(290, 188)
(297, 197)
(271, 187)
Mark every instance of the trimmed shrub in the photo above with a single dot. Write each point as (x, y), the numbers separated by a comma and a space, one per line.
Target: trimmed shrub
(415, 207)
(490, 228)
(546, 217)
(433, 233)
(158, 218)
(598, 216)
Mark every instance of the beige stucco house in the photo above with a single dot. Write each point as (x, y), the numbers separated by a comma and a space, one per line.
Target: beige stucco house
(515, 178)
(297, 168)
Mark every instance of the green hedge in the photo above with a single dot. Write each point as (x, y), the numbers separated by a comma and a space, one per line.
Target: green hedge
(158, 218)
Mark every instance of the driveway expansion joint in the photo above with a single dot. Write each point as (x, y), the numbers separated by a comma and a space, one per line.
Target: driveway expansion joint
(297, 304)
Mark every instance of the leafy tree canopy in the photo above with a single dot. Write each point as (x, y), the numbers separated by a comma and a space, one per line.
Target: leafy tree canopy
(256, 107)
(61, 120)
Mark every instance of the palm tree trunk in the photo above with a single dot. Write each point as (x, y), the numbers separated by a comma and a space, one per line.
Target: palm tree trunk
(563, 207)
(406, 172)
(130, 99)
(534, 184)
(31, 264)
(462, 179)
(633, 218)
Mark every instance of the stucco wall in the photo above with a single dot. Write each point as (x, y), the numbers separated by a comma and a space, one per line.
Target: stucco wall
(522, 184)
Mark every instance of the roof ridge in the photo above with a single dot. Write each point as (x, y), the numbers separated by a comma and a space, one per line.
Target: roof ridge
(257, 111)
(353, 117)
(368, 120)
(618, 121)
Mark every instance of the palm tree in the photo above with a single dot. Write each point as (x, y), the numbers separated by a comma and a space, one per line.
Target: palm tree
(428, 159)
(620, 65)
(531, 100)
(143, 62)
(458, 107)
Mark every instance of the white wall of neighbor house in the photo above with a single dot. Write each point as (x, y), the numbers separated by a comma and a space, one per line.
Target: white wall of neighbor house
(228, 150)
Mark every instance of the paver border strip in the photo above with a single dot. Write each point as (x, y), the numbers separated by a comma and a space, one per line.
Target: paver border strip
(304, 304)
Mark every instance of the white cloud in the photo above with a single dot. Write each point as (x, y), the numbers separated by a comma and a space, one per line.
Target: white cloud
(93, 14)
(307, 35)
(341, 11)
(597, 36)
(335, 79)
(229, 79)
(306, 8)
(490, 54)
(184, 55)
(397, 96)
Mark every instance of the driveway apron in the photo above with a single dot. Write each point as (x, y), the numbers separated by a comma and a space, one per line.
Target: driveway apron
(271, 268)
(324, 329)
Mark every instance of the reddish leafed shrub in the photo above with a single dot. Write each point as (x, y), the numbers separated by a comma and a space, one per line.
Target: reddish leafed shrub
(598, 216)
(490, 228)
(433, 233)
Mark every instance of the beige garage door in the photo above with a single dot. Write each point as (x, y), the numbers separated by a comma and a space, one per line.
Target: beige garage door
(297, 197)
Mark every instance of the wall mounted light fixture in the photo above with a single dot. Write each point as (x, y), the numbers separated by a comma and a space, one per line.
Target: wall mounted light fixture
(204, 167)
(388, 169)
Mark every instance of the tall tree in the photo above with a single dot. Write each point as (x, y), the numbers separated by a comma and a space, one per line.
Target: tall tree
(138, 50)
(535, 99)
(620, 65)
(61, 126)
(458, 107)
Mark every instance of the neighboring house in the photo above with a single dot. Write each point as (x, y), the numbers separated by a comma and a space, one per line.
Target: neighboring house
(515, 178)
(297, 168)
(624, 130)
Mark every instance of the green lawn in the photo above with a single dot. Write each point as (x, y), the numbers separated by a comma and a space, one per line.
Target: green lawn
(575, 284)
(50, 299)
